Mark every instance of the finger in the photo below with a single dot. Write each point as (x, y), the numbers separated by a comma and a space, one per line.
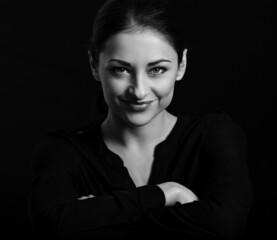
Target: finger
(85, 197)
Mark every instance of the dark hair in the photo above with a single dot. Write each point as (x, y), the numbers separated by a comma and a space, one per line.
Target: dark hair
(127, 15)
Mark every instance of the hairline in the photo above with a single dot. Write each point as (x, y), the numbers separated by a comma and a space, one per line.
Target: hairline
(133, 26)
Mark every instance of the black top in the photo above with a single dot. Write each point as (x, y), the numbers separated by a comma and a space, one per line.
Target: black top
(207, 154)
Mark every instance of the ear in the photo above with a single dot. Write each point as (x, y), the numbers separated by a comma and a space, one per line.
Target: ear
(93, 67)
(182, 66)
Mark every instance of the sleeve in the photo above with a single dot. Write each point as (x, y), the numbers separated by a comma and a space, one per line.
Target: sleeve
(57, 214)
(223, 208)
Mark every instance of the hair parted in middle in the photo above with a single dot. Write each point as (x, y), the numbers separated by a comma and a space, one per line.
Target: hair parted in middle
(117, 16)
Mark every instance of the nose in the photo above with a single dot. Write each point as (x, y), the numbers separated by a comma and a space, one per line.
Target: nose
(139, 87)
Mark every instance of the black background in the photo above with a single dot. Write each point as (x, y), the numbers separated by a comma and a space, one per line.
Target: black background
(45, 83)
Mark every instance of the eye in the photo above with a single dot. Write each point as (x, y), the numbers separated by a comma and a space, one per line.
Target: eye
(119, 70)
(157, 70)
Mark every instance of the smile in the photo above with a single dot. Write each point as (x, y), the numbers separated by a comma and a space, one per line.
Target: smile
(137, 105)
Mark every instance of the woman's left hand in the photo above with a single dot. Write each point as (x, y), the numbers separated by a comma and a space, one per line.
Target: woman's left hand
(85, 197)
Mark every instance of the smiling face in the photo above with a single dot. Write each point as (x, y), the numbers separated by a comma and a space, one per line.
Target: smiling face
(138, 71)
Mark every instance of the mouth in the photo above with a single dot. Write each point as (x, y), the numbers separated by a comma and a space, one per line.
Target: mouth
(137, 105)
(136, 102)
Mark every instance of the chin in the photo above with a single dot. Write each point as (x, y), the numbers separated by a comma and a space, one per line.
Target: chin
(140, 119)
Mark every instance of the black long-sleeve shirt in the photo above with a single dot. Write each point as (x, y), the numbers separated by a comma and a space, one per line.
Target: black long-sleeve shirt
(206, 154)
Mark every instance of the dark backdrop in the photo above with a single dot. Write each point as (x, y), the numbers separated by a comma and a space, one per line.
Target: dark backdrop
(45, 83)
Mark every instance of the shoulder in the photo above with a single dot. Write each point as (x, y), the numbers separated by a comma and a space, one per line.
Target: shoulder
(221, 124)
(222, 135)
(209, 123)
(214, 118)
(61, 146)
(213, 127)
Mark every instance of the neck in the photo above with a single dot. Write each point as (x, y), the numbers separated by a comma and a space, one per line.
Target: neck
(117, 131)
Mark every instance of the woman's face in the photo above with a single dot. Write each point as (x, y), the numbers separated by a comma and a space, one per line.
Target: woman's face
(138, 71)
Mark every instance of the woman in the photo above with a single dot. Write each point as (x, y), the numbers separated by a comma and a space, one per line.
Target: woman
(141, 171)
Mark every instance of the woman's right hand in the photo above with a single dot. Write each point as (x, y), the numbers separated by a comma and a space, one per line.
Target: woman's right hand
(175, 192)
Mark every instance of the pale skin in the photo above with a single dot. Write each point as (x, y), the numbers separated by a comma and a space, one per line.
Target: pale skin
(138, 70)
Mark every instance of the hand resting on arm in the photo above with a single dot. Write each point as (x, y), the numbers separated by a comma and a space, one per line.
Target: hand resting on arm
(174, 192)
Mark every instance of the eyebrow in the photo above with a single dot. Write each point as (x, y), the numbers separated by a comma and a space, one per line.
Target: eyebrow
(129, 65)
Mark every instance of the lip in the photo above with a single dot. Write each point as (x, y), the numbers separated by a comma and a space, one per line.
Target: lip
(137, 105)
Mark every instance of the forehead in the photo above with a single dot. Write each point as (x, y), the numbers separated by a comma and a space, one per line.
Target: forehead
(143, 45)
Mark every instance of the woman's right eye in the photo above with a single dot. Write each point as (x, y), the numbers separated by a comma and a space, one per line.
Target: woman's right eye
(119, 70)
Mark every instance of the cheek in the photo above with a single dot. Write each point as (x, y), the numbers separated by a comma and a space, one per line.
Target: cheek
(112, 87)
(165, 89)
